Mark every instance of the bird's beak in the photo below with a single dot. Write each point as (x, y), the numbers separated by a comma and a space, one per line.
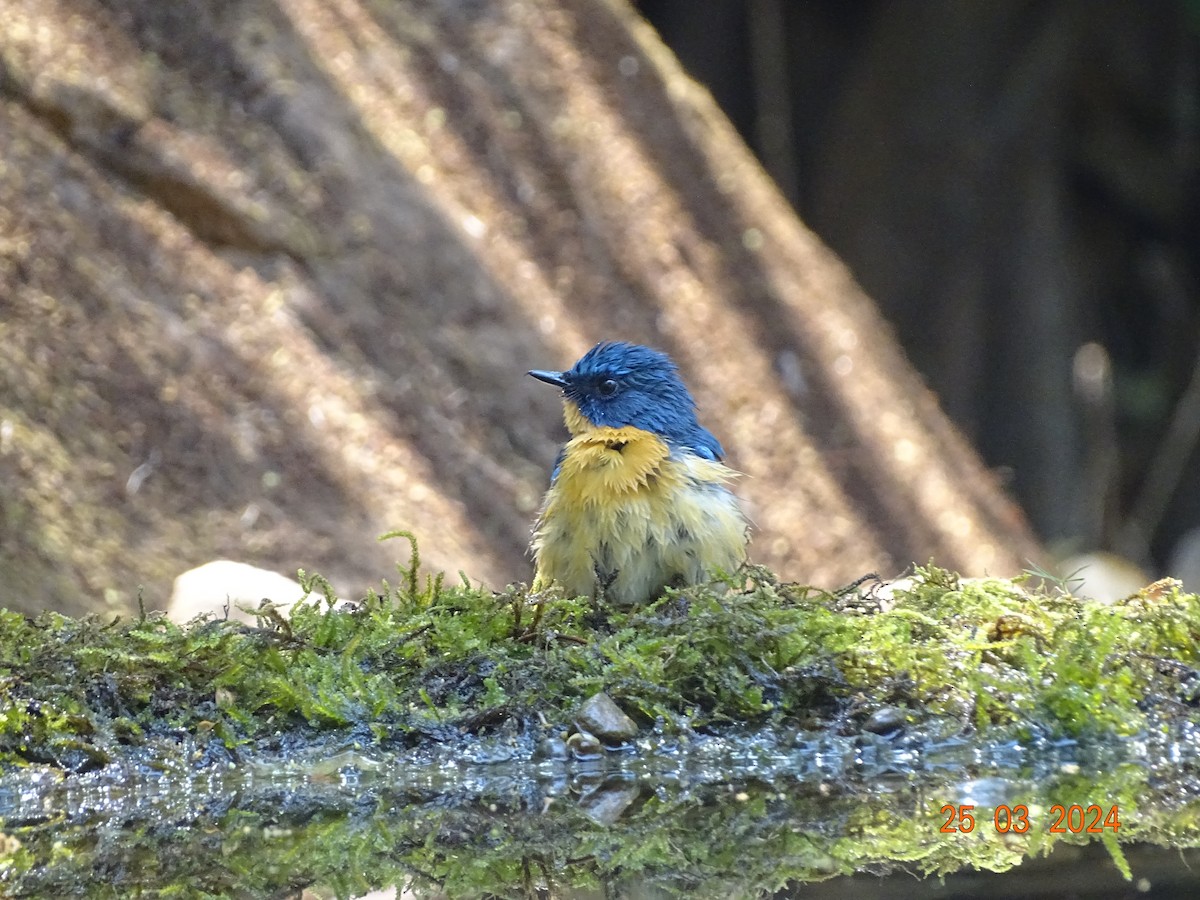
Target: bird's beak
(558, 379)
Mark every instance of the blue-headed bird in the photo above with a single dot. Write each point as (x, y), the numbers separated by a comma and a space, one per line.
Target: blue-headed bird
(638, 499)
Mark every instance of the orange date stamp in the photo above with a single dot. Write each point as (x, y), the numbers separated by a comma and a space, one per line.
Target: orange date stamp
(1073, 819)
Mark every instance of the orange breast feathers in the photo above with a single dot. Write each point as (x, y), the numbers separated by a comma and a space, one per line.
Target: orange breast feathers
(629, 516)
(607, 464)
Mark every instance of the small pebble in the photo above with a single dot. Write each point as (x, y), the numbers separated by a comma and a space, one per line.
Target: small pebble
(584, 745)
(885, 720)
(603, 718)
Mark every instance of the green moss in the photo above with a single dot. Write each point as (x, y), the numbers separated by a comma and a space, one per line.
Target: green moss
(422, 658)
(424, 664)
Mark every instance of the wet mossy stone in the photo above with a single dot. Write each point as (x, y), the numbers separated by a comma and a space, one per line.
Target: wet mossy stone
(607, 721)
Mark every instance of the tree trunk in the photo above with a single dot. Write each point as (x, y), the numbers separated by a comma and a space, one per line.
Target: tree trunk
(271, 274)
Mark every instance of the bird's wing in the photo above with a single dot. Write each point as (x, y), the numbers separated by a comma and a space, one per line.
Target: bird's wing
(707, 446)
(562, 452)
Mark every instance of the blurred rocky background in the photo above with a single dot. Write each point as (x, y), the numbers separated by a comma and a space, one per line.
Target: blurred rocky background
(1015, 185)
(271, 273)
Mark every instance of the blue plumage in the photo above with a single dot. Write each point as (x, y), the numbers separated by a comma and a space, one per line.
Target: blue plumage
(616, 384)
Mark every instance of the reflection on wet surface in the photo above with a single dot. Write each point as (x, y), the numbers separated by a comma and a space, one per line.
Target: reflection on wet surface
(738, 816)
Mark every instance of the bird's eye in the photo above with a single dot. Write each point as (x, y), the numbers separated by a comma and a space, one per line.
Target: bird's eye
(607, 387)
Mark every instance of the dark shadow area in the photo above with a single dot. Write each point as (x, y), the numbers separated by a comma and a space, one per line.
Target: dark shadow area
(1009, 183)
(861, 467)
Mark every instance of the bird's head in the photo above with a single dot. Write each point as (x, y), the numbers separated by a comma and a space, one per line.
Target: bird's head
(616, 384)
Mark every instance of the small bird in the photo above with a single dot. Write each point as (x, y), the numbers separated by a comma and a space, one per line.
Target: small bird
(638, 499)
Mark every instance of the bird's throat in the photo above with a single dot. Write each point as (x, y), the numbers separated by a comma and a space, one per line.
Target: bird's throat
(577, 423)
(601, 464)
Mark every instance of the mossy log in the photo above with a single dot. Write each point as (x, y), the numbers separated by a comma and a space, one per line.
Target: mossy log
(423, 661)
(936, 680)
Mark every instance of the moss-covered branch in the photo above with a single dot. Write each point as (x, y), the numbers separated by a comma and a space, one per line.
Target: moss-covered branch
(424, 661)
(745, 676)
